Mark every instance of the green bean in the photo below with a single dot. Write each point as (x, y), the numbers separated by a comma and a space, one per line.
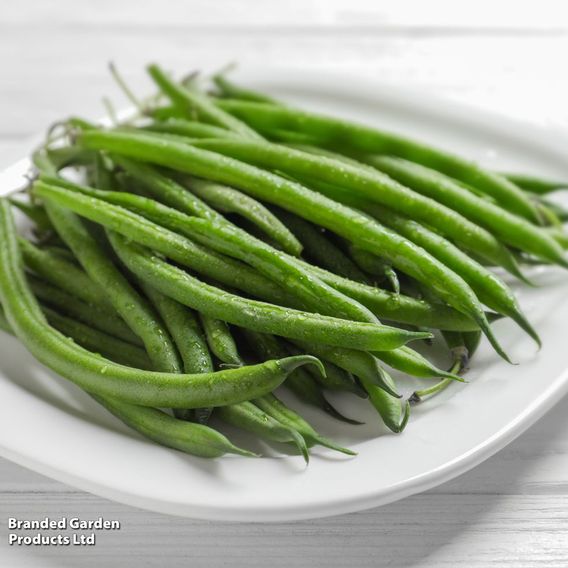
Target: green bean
(99, 342)
(35, 213)
(490, 289)
(320, 249)
(300, 382)
(64, 274)
(176, 247)
(223, 238)
(356, 362)
(251, 314)
(158, 426)
(336, 378)
(508, 227)
(337, 133)
(155, 424)
(559, 211)
(249, 417)
(375, 266)
(462, 347)
(294, 197)
(134, 309)
(363, 181)
(185, 331)
(188, 128)
(190, 100)
(96, 316)
(229, 200)
(166, 190)
(412, 363)
(279, 411)
(230, 90)
(221, 341)
(534, 184)
(100, 376)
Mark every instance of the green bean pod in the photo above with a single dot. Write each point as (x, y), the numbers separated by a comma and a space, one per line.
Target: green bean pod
(96, 341)
(155, 424)
(249, 417)
(134, 309)
(294, 197)
(96, 316)
(375, 266)
(251, 314)
(100, 376)
(508, 227)
(300, 382)
(320, 249)
(220, 341)
(229, 200)
(279, 411)
(342, 135)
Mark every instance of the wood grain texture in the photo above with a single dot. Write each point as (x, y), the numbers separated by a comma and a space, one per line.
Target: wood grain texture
(511, 510)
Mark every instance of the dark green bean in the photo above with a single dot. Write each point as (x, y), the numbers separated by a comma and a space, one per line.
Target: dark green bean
(64, 274)
(155, 424)
(251, 314)
(508, 227)
(320, 249)
(535, 184)
(341, 134)
(229, 200)
(375, 266)
(249, 417)
(134, 309)
(95, 316)
(294, 197)
(99, 342)
(300, 382)
(100, 376)
(221, 341)
(279, 411)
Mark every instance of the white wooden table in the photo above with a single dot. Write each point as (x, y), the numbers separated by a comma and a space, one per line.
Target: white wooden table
(506, 56)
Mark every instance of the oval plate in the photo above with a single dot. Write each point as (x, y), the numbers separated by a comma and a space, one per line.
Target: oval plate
(52, 427)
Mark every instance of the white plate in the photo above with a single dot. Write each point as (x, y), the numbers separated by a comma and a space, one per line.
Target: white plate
(52, 427)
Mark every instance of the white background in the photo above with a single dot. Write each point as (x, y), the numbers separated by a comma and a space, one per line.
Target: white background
(505, 56)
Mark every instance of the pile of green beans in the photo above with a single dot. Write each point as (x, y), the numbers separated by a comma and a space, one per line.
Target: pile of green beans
(222, 245)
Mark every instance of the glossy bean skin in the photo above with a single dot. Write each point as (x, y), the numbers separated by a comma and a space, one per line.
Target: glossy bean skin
(96, 316)
(296, 198)
(224, 238)
(508, 227)
(279, 411)
(100, 376)
(131, 306)
(229, 200)
(158, 426)
(221, 341)
(174, 246)
(340, 134)
(251, 314)
(321, 250)
(185, 331)
(249, 417)
(365, 182)
(155, 424)
(64, 274)
(300, 382)
(490, 289)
